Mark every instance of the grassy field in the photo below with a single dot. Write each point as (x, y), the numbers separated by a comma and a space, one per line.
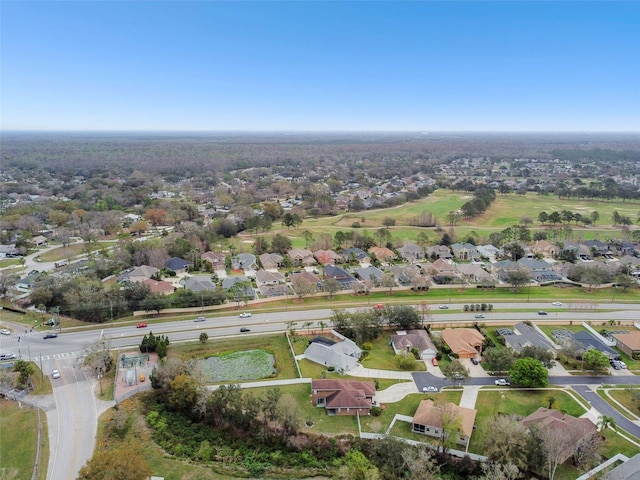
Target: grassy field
(18, 441)
(624, 397)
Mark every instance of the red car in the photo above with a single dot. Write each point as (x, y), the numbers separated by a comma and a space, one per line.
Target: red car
(141, 325)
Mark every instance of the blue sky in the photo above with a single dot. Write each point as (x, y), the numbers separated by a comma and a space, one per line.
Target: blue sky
(320, 66)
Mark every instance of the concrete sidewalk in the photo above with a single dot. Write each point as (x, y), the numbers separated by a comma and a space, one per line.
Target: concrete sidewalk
(360, 371)
(469, 396)
(396, 392)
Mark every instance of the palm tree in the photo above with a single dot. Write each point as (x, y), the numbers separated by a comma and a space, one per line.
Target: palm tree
(605, 422)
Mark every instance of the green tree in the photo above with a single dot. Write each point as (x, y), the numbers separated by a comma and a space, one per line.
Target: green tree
(403, 317)
(331, 285)
(204, 337)
(154, 302)
(24, 370)
(455, 371)
(280, 244)
(355, 466)
(507, 443)
(518, 278)
(121, 463)
(539, 353)
(595, 360)
(308, 237)
(605, 422)
(528, 372)
(499, 359)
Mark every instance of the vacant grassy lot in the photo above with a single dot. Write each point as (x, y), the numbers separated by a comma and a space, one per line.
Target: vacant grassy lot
(18, 441)
(624, 396)
(274, 344)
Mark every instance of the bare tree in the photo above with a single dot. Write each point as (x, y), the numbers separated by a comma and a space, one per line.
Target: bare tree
(421, 463)
(507, 444)
(302, 287)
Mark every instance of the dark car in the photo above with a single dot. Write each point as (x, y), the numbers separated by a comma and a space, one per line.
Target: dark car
(50, 335)
(474, 360)
(542, 312)
(244, 329)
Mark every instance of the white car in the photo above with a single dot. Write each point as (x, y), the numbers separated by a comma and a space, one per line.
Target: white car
(245, 315)
(55, 373)
(443, 307)
(200, 319)
(4, 331)
(502, 382)
(557, 304)
(429, 389)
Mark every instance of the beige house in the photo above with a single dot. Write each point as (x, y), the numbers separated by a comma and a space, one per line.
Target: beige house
(465, 342)
(431, 418)
(629, 343)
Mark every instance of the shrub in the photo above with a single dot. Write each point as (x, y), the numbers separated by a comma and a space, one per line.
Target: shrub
(406, 362)
(367, 346)
(376, 411)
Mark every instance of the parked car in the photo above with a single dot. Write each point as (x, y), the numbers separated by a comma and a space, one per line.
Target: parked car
(479, 315)
(474, 360)
(502, 382)
(200, 319)
(4, 331)
(55, 373)
(245, 315)
(443, 307)
(542, 312)
(430, 388)
(556, 304)
(141, 325)
(244, 330)
(50, 335)
(621, 364)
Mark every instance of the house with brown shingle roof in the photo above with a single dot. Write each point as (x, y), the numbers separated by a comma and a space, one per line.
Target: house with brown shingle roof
(343, 397)
(383, 254)
(216, 259)
(572, 428)
(465, 342)
(629, 343)
(271, 261)
(328, 257)
(429, 420)
(441, 267)
(301, 256)
(162, 287)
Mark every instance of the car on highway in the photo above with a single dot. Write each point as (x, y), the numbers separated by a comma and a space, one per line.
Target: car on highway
(542, 312)
(141, 325)
(50, 335)
(244, 330)
(501, 382)
(245, 315)
(4, 331)
(200, 319)
(556, 304)
(443, 307)
(430, 388)
(55, 373)
(479, 315)
(7, 356)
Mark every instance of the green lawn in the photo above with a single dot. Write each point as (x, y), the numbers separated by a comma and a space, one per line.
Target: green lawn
(517, 402)
(382, 356)
(18, 441)
(623, 396)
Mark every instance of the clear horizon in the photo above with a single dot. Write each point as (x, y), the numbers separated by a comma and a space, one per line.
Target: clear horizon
(320, 67)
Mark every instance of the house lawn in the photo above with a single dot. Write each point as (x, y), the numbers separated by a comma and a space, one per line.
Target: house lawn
(622, 395)
(382, 356)
(516, 402)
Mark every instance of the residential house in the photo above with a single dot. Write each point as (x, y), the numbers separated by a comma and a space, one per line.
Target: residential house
(328, 257)
(439, 251)
(342, 355)
(370, 274)
(465, 252)
(629, 470)
(404, 341)
(465, 342)
(161, 287)
(177, 264)
(340, 274)
(590, 341)
(264, 277)
(574, 428)
(411, 252)
(198, 283)
(40, 241)
(343, 397)
(383, 254)
(442, 268)
(244, 261)
(474, 273)
(138, 274)
(629, 343)
(541, 271)
(247, 292)
(489, 251)
(301, 256)
(408, 274)
(429, 419)
(524, 335)
(307, 276)
(545, 248)
(271, 261)
(216, 259)
(597, 247)
(354, 254)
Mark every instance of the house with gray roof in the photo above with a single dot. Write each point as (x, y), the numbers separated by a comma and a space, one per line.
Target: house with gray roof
(524, 335)
(354, 253)
(406, 340)
(342, 355)
(465, 252)
(370, 274)
(271, 261)
(411, 252)
(264, 277)
(198, 283)
(248, 293)
(339, 274)
(244, 261)
(138, 274)
(589, 341)
(177, 264)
